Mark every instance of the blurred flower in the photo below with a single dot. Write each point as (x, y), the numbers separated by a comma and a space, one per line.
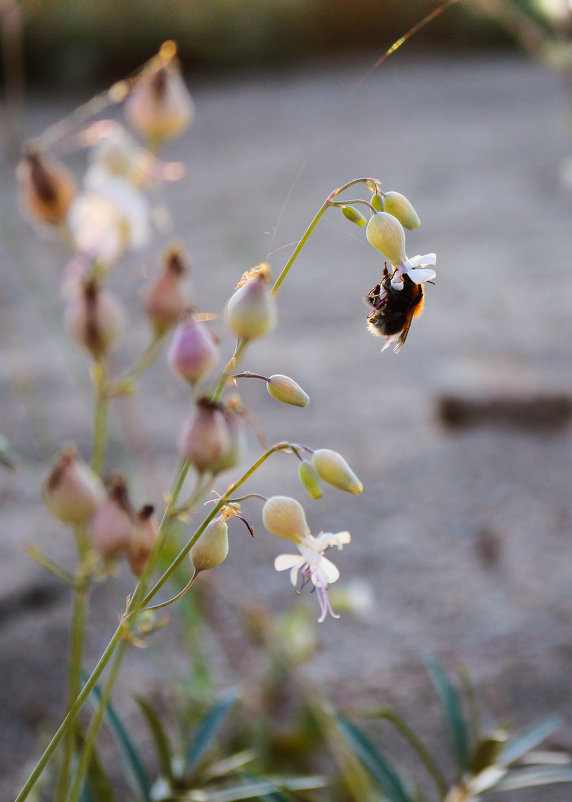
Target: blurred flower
(416, 268)
(46, 187)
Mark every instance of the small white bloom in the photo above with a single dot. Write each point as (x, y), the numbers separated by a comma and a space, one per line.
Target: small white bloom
(416, 268)
(311, 566)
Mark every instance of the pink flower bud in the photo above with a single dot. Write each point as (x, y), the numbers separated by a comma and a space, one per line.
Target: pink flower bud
(46, 187)
(193, 351)
(111, 526)
(72, 491)
(165, 297)
(160, 106)
(205, 437)
(94, 319)
(251, 311)
(233, 415)
(143, 538)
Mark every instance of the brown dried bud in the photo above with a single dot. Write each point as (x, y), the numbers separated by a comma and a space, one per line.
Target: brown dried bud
(72, 491)
(193, 351)
(165, 298)
(46, 187)
(160, 106)
(143, 539)
(211, 548)
(111, 526)
(94, 319)
(205, 438)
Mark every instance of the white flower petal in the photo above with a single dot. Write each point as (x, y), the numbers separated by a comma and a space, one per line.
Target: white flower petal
(328, 540)
(420, 274)
(285, 561)
(324, 573)
(423, 261)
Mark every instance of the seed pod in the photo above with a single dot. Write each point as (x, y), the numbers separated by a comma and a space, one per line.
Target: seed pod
(205, 437)
(193, 351)
(399, 206)
(385, 233)
(211, 548)
(310, 479)
(111, 526)
(165, 297)
(160, 107)
(353, 215)
(143, 539)
(251, 311)
(377, 201)
(72, 491)
(333, 468)
(285, 517)
(46, 187)
(233, 455)
(94, 319)
(285, 389)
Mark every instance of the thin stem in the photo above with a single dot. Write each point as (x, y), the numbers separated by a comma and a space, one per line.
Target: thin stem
(100, 422)
(143, 363)
(352, 203)
(232, 362)
(248, 374)
(178, 596)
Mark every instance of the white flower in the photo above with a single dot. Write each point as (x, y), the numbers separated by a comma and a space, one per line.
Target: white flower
(311, 566)
(416, 268)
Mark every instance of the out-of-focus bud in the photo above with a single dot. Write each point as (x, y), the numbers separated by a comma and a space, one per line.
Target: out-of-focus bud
(377, 201)
(251, 311)
(399, 206)
(205, 438)
(284, 517)
(143, 538)
(46, 187)
(233, 414)
(285, 389)
(211, 548)
(165, 296)
(353, 215)
(94, 319)
(310, 479)
(72, 491)
(385, 233)
(333, 468)
(193, 351)
(160, 107)
(111, 526)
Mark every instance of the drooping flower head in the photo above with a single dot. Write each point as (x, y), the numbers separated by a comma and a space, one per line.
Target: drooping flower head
(385, 233)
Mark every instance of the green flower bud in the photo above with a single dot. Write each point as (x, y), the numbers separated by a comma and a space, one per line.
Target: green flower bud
(285, 517)
(251, 311)
(399, 206)
(308, 475)
(285, 389)
(377, 202)
(333, 468)
(385, 233)
(211, 548)
(72, 491)
(353, 215)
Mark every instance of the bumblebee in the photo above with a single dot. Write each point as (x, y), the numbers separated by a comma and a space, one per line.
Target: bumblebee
(393, 310)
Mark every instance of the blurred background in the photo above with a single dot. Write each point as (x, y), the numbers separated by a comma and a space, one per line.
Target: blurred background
(463, 440)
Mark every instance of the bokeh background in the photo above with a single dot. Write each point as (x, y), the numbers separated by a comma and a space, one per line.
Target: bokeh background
(462, 534)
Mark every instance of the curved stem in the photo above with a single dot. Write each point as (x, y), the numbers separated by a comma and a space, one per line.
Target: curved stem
(100, 416)
(248, 374)
(177, 597)
(143, 363)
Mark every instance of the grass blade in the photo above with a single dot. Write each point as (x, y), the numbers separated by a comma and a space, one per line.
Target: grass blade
(387, 778)
(527, 778)
(208, 729)
(517, 749)
(453, 712)
(160, 739)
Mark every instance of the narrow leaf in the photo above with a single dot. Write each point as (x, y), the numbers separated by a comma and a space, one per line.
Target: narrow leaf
(160, 739)
(454, 719)
(208, 729)
(256, 789)
(527, 778)
(387, 778)
(135, 769)
(517, 749)
(96, 787)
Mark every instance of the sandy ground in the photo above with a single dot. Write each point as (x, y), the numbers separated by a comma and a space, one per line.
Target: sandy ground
(463, 534)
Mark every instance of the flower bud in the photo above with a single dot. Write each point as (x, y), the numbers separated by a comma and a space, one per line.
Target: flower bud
(111, 526)
(251, 311)
(333, 468)
(193, 351)
(211, 548)
(94, 319)
(308, 475)
(399, 206)
(285, 517)
(385, 233)
(353, 215)
(160, 106)
(46, 187)
(205, 438)
(72, 491)
(165, 297)
(377, 201)
(285, 389)
(233, 415)
(143, 538)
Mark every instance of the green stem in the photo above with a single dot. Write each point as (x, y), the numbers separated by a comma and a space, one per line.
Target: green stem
(95, 724)
(100, 416)
(232, 363)
(144, 362)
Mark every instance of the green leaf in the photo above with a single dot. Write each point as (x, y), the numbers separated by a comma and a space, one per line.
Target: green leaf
(134, 767)
(257, 789)
(160, 739)
(453, 712)
(527, 778)
(273, 796)
(517, 749)
(96, 787)
(387, 778)
(208, 729)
